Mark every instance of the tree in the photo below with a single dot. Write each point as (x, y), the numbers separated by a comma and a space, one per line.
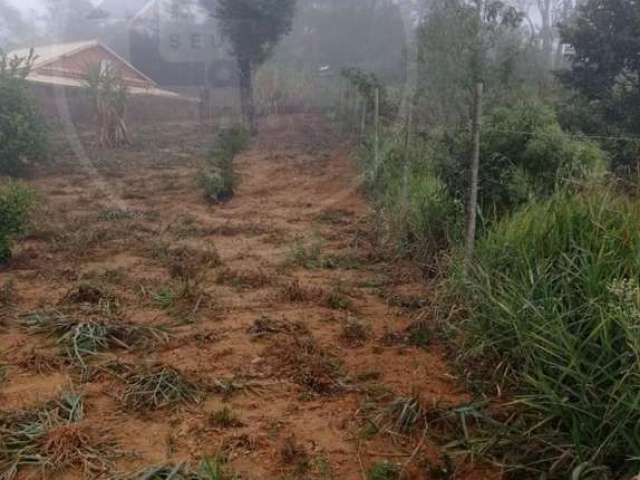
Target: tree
(605, 69)
(22, 129)
(253, 28)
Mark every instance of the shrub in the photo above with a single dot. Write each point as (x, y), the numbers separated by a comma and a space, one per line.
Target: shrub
(524, 154)
(555, 297)
(218, 179)
(22, 130)
(16, 202)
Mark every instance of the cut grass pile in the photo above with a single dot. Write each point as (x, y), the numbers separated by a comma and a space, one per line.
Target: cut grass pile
(82, 338)
(50, 438)
(158, 387)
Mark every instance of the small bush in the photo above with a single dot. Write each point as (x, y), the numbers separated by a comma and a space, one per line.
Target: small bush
(22, 131)
(218, 179)
(555, 298)
(16, 202)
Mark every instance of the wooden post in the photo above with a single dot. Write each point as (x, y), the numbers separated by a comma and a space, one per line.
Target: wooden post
(376, 120)
(363, 119)
(405, 171)
(475, 173)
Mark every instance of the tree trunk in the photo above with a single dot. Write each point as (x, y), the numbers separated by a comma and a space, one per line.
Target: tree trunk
(475, 173)
(246, 96)
(545, 7)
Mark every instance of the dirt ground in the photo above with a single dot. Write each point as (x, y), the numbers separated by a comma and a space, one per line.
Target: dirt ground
(291, 319)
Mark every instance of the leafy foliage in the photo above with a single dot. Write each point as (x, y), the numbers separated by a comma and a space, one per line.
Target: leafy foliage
(254, 28)
(23, 136)
(605, 69)
(16, 202)
(219, 180)
(524, 155)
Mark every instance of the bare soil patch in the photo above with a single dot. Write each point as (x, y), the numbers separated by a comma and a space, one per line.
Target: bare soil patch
(279, 365)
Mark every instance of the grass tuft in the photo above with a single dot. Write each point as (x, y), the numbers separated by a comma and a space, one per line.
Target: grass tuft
(50, 438)
(158, 387)
(85, 338)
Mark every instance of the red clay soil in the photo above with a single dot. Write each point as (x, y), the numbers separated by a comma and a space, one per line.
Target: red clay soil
(297, 328)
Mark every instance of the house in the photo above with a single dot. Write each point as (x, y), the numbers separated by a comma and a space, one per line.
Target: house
(67, 65)
(58, 81)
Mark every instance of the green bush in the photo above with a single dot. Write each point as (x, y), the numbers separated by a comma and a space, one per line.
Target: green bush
(555, 297)
(16, 202)
(218, 178)
(22, 130)
(525, 154)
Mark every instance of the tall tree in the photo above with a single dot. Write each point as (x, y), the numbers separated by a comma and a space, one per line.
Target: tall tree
(605, 71)
(253, 28)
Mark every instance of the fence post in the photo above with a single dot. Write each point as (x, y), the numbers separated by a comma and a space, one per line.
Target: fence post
(475, 173)
(376, 120)
(363, 119)
(405, 171)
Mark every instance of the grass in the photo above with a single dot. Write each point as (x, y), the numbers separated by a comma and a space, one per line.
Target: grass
(383, 470)
(116, 214)
(50, 438)
(87, 337)
(554, 300)
(209, 469)
(225, 418)
(338, 299)
(158, 387)
(404, 414)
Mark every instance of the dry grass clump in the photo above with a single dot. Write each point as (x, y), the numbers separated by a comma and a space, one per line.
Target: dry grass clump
(265, 326)
(50, 438)
(95, 295)
(294, 454)
(7, 294)
(246, 229)
(244, 279)
(301, 358)
(354, 333)
(335, 216)
(7, 298)
(40, 362)
(158, 387)
(87, 337)
(185, 261)
(294, 292)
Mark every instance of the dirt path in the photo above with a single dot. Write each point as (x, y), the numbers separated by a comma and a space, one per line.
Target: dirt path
(298, 329)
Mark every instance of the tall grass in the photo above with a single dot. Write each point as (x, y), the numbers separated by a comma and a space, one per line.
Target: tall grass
(419, 215)
(555, 296)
